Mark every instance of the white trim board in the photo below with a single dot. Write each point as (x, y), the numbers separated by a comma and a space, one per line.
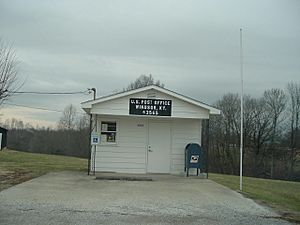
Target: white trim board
(88, 104)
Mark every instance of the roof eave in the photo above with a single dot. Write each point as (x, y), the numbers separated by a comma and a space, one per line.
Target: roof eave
(88, 104)
(119, 95)
(212, 110)
(215, 112)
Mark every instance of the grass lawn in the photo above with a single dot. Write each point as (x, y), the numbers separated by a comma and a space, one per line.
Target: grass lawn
(17, 167)
(283, 196)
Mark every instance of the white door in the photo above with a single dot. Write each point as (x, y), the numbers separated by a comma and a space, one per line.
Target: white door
(159, 148)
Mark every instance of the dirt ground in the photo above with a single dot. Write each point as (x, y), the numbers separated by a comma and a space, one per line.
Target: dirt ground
(11, 178)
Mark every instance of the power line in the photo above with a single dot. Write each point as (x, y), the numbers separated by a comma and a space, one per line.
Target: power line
(48, 93)
(31, 107)
(88, 91)
(39, 108)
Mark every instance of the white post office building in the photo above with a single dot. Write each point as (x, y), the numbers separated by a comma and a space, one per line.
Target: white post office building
(145, 130)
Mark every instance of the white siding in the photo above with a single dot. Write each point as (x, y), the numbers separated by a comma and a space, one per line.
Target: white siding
(184, 131)
(180, 109)
(129, 154)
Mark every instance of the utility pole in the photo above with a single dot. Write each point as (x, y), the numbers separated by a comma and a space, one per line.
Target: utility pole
(90, 134)
(94, 90)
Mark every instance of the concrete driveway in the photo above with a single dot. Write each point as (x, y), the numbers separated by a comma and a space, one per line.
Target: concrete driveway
(74, 198)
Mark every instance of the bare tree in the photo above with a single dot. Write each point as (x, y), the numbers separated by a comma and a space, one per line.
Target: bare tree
(68, 120)
(8, 71)
(228, 132)
(257, 132)
(275, 100)
(294, 108)
(143, 81)
(262, 117)
(83, 122)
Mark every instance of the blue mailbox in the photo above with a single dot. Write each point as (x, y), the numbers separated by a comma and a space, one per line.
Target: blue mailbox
(193, 158)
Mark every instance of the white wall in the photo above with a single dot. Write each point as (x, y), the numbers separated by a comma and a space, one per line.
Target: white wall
(184, 131)
(180, 109)
(129, 154)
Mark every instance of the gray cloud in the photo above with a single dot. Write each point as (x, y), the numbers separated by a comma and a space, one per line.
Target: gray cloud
(191, 46)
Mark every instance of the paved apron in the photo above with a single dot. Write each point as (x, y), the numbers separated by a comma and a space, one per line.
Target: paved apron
(74, 198)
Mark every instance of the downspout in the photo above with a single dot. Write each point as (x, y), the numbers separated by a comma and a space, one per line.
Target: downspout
(207, 145)
(89, 146)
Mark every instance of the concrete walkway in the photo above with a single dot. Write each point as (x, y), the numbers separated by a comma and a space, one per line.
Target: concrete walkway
(74, 198)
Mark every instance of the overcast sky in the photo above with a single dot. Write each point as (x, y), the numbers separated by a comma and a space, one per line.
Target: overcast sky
(191, 46)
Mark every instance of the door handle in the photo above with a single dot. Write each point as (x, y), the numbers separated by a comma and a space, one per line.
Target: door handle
(149, 150)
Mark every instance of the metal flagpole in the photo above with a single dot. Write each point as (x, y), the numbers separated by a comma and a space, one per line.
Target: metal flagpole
(242, 110)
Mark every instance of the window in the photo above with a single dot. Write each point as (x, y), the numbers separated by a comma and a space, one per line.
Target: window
(108, 132)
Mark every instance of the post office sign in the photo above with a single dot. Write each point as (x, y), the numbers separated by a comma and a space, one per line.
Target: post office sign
(150, 107)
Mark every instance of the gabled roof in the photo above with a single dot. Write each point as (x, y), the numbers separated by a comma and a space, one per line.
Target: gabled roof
(88, 104)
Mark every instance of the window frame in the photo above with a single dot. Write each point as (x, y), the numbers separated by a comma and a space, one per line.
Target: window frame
(106, 131)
